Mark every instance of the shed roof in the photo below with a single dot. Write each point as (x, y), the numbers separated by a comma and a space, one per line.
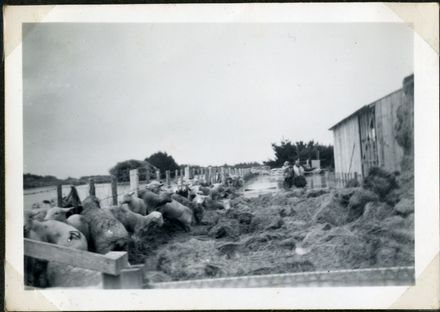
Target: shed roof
(361, 109)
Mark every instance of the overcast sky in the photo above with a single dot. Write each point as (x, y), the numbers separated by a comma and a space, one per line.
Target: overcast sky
(96, 94)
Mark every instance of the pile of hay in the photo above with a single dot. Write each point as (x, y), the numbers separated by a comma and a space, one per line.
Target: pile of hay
(293, 231)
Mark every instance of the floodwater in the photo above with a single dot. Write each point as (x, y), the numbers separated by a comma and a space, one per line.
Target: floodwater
(262, 184)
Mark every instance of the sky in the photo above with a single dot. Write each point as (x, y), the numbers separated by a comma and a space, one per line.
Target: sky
(207, 94)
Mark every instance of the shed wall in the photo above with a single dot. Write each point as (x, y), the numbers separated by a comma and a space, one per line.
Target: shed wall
(347, 146)
(389, 151)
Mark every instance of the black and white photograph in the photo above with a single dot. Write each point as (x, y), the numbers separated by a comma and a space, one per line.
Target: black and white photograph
(218, 155)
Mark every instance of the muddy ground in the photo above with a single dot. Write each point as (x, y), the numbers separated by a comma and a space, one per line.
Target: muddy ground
(287, 231)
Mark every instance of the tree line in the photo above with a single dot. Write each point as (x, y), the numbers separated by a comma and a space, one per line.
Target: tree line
(285, 151)
(291, 151)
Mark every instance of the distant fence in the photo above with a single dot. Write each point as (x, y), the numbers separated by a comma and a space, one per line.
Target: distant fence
(110, 193)
(327, 179)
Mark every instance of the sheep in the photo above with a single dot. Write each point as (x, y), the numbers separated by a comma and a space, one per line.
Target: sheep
(134, 222)
(208, 203)
(50, 231)
(184, 191)
(197, 208)
(153, 200)
(76, 220)
(38, 212)
(176, 212)
(135, 204)
(55, 232)
(57, 213)
(217, 191)
(106, 232)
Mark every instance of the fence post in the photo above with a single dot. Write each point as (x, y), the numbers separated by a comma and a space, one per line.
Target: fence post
(187, 173)
(134, 181)
(147, 176)
(92, 191)
(167, 177)
(158, 175)
(114, 190)
(356, 176)
(60, 195)
(326, 182)
(223, 173)
(209, 175)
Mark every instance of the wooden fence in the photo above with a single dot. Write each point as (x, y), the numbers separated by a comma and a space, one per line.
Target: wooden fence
(328, 179)
(392, 276)
(208, 175)
(116, 271)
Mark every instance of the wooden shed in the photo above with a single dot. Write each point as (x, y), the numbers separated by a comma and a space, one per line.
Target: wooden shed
(366, 138)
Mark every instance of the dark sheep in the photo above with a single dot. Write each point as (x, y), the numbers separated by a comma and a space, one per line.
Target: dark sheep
(106, 232)
(153, 200)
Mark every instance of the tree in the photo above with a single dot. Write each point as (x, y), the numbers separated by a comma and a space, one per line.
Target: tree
(122, 169)
(163, 162)
(288, 151)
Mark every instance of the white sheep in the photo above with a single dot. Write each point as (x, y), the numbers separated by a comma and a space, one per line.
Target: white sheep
(76, 220)
(135, 203)
(134, 222)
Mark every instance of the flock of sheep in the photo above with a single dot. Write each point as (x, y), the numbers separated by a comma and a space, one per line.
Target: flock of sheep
(101, 229)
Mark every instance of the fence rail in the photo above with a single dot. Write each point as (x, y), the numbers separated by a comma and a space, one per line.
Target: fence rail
(359, 277)
(326, 179)
(114, 266)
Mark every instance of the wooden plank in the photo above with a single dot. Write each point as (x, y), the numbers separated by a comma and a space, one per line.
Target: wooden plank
(92, 190)
(322, 179)
(60, 195)
(111, 281)
(132, 278)
(134, 181)
(147, 176)
(129, 278)
(110, 263)
(187, 173)
(209, 175)
(358, 277)
(114, 190)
